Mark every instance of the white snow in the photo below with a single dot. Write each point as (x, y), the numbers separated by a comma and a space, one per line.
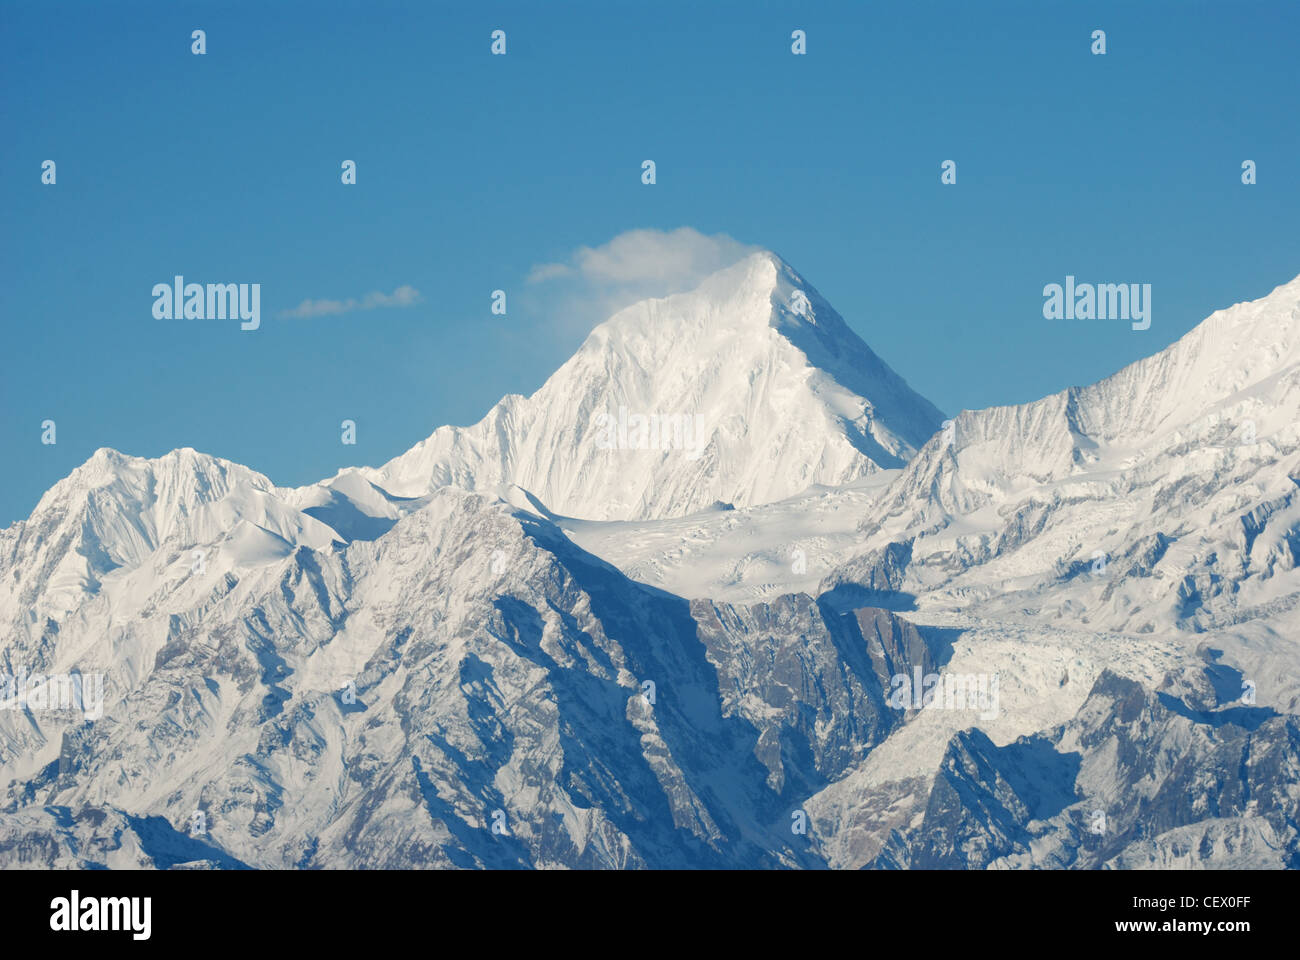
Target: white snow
(772, 418)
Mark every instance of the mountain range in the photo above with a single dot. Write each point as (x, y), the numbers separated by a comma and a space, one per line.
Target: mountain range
(658, 614)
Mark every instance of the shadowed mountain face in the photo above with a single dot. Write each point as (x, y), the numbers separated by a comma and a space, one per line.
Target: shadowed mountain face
(1136, 779)
(377, 705)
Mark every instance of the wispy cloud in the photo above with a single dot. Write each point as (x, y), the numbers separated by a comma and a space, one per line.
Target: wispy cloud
(403, 296)
(548, 271)
(595, 282)
(672, 260)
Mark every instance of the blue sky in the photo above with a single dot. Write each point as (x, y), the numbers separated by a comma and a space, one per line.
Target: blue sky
(474, 169)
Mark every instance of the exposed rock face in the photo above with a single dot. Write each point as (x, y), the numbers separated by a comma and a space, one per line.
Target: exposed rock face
(1137, 779)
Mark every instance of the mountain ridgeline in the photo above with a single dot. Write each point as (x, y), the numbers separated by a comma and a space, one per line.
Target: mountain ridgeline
(417, 666)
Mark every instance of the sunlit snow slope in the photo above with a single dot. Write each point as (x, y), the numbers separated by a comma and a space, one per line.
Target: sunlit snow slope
(778, 400)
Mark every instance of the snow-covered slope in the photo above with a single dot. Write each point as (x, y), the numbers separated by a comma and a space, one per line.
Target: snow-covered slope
(765, 398)
(375, 704)
(115, 512)
(1158, 497)
(742, 555)
(1136, 779)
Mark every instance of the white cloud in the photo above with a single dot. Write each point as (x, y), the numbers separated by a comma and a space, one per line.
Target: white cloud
(675, 260)
(596, 282)
(403, 296)
(548, 271)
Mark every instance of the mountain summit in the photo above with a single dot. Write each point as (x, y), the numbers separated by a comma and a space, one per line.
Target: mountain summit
(746, 390)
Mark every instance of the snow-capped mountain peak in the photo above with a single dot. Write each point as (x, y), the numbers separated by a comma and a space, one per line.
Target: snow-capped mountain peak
(1157, 496)
(746, 390)
(113, 513)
